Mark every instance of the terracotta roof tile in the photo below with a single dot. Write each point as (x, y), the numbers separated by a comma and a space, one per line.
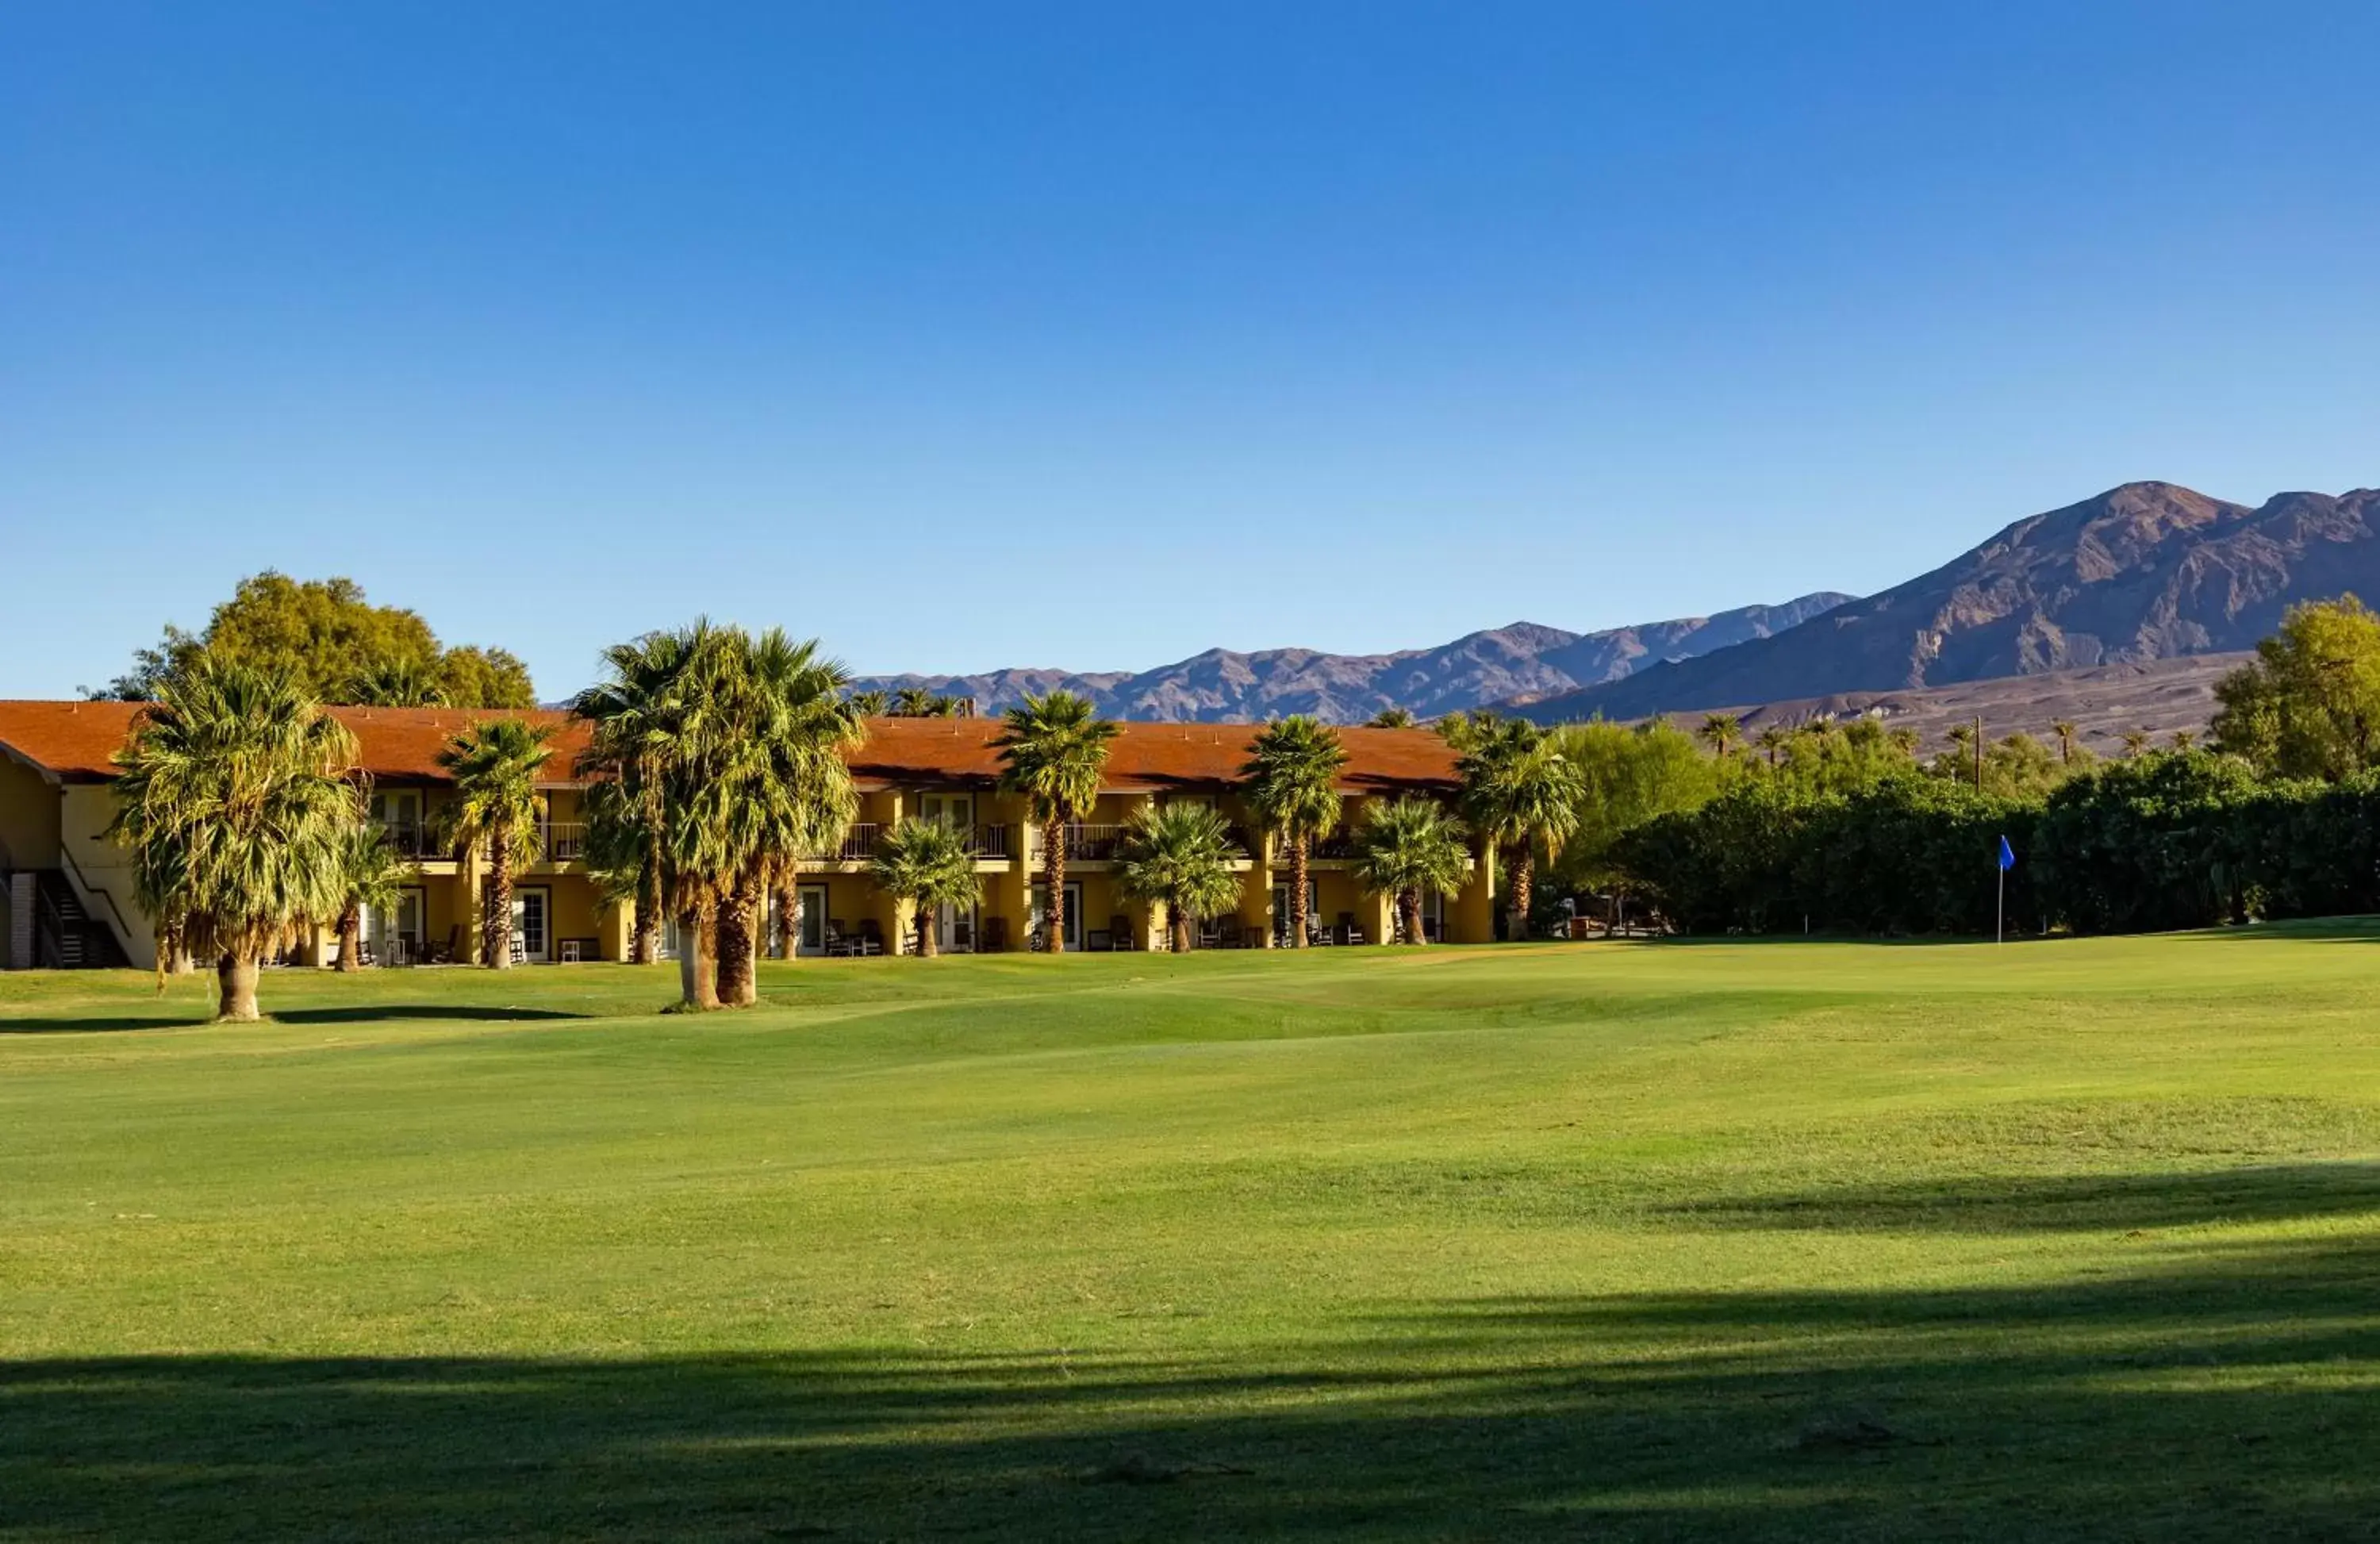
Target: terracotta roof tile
(72, 741)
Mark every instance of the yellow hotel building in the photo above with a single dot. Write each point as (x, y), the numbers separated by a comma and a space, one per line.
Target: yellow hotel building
(67, 899)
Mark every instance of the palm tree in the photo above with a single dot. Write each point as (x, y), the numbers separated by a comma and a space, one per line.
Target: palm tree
(1721, 731)
(782, 789)
(1392, 718)
(1180, 855)
(932, 865)
(1052, 749)
(405, 681)
(2064, 729)
(232, 798)
(868, 704)
(1772, 740)
(372, 876)
(1293, 783)
(1406, 849)
(640, 733)
(1523, 794)
(1466, 728)
(2185, 738)
(494, 764)
(2136, 741)
(913, 702)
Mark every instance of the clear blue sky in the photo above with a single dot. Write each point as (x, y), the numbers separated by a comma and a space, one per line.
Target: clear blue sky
(1093, 335)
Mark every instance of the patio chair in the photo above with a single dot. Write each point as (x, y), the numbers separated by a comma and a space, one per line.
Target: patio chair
(1120, 931)
(995, 935)
(871, 936)
(1098, 941)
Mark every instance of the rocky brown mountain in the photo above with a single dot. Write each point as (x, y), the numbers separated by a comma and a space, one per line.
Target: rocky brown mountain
(1220, 685)
(2147, 571)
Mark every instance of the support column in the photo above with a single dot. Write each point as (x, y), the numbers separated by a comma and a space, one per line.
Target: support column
(1256, 889)
(1472, 918)
(467, 891)
(613, 926)
(1378, 914)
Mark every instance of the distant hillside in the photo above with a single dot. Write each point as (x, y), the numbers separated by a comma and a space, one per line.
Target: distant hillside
(2148, 571)
(2104, 702)
(1523, 659)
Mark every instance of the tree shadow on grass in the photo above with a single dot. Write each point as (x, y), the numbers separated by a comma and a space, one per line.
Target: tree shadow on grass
(2221, 1395)
(94, 1024)
(2028, 1203)
(374, 1013)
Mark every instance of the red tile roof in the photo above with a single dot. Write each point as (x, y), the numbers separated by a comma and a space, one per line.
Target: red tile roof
(72, 741)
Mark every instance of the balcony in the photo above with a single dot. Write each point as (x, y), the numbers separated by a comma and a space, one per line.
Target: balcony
(859, 841)
(558, 841)
(1104, 844)
(410, 840)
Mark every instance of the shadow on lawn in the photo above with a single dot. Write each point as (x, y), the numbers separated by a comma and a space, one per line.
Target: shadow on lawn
(2056, 1202)
(2225, 1395)
(363, 1013)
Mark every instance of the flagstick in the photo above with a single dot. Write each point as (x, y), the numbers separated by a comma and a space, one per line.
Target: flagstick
(1999, 915)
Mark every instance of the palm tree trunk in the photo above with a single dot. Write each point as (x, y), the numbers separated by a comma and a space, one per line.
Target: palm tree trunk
(786, 943)
(235, 990)
(1298, 918)
(1409, 916)
(351, 933)
(646, 946)
(1178, 921)
(738, 982)
(1525, 884)
(928, 947)
(496, 913)
(1053, 874)
(698, 986)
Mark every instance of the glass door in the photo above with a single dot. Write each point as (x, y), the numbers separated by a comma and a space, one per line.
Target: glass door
(809, 919)
(951, 810)
(398, 812)
(1073, 912)
(1280, 918)
(395, 932)
(532, 910)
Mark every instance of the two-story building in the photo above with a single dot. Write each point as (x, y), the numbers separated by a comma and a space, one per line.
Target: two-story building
(67, 897)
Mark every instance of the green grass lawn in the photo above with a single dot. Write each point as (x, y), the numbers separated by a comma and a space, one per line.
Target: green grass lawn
(2075, 1239)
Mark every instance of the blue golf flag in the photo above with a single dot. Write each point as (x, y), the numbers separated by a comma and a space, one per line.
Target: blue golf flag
(2008, 855)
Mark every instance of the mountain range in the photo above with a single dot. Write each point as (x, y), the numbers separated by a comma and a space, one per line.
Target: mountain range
(1496, 665)
(2074, 600)
(2147, 571)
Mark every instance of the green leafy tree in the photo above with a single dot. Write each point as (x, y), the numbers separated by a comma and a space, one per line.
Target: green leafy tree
(495, 766)
(1522, 795)
(372, 875)
(930, 864)
(232, 798)
(1627, 777)
(2309, 704)
(1408, 848)
(1291, 782)
(1180, 857)
(328, 640)
(1053, 751)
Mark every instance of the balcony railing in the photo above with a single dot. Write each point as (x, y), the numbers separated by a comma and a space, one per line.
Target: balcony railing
(992, 841)
(562, 841)
(410, 840)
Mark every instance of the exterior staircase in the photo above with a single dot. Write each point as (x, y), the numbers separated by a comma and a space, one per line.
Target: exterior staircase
(67, 937)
